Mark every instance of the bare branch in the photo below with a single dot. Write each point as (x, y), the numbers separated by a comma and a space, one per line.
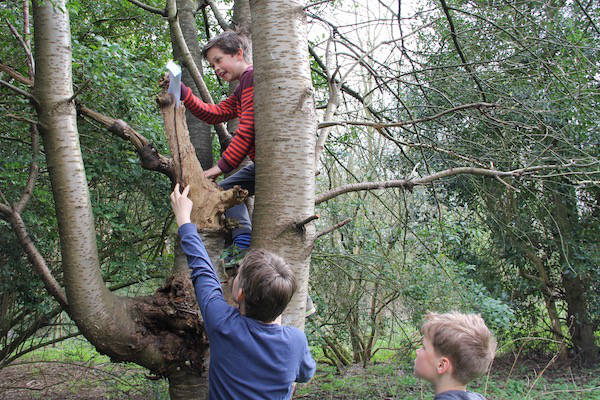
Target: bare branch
(409, 183)
(15, 75)
(37, 260)
(146, 7)
(219, 17)
(19, 91)
(459, 49)
(150, 158)
(588, 16)
(378, 125)
(188, 61)
(318, 3)
(33, 171)
(30, 61)
(300, 225)
(333, 228)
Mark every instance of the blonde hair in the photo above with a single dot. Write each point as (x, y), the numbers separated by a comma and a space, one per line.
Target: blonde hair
(464, 339)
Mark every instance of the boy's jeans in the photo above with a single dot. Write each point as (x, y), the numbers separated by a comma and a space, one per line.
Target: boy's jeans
(245, 179)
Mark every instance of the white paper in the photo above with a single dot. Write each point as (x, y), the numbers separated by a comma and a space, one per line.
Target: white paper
(174, 81)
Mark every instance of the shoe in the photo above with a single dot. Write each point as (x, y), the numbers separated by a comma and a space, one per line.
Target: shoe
(232, 258)
(310, 307)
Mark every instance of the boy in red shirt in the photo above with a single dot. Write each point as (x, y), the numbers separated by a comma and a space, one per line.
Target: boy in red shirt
(229, 56)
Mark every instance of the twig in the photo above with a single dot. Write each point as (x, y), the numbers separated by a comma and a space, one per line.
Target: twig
(588, 17)
(148, 8)
(317, 4)
(459, 49)
(19, 91)
(332, 228)
(300, 225)
(79, 90)
(218, 16)
(30, 61)
(379, 125)
(33, 171)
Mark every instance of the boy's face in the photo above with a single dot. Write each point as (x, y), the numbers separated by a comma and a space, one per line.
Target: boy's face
(227, 67)
(427, 362)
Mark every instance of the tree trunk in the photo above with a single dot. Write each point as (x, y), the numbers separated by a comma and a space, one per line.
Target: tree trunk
(91, 304)
(581, 327)
(201, 133)
(157, 332)
(285, 139)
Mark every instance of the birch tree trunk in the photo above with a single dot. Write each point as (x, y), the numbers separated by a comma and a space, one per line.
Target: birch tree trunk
(90, 303)
(285, 125)
(149, 331)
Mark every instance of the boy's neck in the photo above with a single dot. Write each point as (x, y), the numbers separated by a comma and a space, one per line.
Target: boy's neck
(446, 383)
(276, 321)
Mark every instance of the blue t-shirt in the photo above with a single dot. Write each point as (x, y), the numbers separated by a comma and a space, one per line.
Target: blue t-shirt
(458, 395)
(248, 358)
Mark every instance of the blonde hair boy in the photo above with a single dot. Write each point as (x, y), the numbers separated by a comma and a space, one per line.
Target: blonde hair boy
(457, 348)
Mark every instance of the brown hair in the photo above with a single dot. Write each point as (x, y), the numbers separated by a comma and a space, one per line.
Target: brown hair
(268, 284)
(230, 42)
(464, 339)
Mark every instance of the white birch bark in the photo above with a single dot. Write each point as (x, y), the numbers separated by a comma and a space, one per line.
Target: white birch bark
(285, 124)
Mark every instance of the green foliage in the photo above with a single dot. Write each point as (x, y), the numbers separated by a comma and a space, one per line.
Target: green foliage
(117, 62)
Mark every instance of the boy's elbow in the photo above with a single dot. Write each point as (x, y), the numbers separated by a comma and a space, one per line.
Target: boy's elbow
(307, 374)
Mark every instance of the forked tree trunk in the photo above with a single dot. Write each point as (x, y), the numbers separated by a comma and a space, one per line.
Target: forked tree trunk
(150, 331)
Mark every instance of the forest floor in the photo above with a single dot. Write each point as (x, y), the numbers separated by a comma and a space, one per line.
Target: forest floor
(92, 378)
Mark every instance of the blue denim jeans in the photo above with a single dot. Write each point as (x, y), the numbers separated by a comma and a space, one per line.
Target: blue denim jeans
(245, 179)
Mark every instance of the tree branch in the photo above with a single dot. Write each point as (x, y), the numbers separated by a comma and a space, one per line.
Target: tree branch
(36, 259)
(19, 91)
(333, 228)
(150, 158)
(378, 125)
(30, 61)
(409, 183)
(459, 50)
(188, 61)
(219, 17)
(146, 7)
(33, 171)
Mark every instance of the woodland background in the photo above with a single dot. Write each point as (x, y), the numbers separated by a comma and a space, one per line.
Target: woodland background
(457, 159)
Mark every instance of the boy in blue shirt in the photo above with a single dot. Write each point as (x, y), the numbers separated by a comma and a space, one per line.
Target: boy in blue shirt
(457, 348)
(251, 355)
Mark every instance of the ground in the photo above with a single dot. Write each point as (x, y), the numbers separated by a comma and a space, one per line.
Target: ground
(94, 379)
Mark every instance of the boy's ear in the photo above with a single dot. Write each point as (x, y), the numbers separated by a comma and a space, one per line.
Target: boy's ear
(443, 366)
(240, 53)
(239, 296)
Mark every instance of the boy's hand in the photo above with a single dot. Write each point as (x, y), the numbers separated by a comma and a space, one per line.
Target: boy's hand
(213, 172)
(182, 206)
(164, 81)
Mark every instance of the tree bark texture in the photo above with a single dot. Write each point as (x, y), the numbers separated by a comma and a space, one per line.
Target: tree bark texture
(162, 332)
(91, 304)
(285, 125)
(200, 133)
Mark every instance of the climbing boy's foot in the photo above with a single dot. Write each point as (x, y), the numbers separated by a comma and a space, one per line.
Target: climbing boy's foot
(232, 258)
(310, 307)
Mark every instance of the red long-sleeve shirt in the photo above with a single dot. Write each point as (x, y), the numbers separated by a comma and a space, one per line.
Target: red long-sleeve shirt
(241, 105)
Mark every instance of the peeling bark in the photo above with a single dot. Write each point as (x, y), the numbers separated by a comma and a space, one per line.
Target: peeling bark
(210, 201)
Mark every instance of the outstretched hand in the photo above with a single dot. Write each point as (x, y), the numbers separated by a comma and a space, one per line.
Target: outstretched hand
(164, 81)
(181, 205)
